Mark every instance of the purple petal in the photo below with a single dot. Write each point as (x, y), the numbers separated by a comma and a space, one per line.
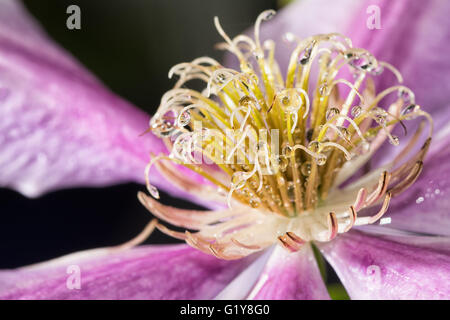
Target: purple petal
(290, 276)
(147, 272)
(391, 267)
(425, 206)
(414, 38)
(59, 127)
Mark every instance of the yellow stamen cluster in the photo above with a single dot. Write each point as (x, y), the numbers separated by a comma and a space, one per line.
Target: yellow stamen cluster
(283, 145)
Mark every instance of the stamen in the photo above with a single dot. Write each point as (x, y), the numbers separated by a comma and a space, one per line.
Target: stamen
(332, 226)
(353, 216)
(241, 130)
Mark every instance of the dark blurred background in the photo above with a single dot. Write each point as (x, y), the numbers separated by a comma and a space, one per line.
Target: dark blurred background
(130, 45)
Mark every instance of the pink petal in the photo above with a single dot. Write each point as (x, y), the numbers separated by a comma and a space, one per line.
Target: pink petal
(147, 272)
(424, 207)
(59, 127)
(414, 38)
(290, 276)
(391, 267)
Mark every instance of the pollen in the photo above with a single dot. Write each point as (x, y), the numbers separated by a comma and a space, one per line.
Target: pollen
(287, 154)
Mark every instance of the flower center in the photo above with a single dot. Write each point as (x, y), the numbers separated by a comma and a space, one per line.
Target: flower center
(283, 146)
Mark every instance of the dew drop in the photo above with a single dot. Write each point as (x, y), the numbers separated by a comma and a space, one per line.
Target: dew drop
(394, 140)
(285, 100)
(306, 168)
(380, 116)
(247, 101)
(344, 132)
(324, 90)
(287, 150)
(321, 160)
(331, 113)
(184, 118)
(412, 108)
(153, 192)
(268, 14)
(314, 146)
(254, 203)
(283, 164)
(356, 111)
(162, 128)
(238, 180)
(404, 95)
(304, 60)
(221, 78)
(377, 71)
(291, 191)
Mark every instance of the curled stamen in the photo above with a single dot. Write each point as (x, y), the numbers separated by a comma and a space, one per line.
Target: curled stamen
(332, 223)
(265, 15)
(141, 237)
(152, 189)
(360, 199)
(353, 216)
(394, 70)
(320, 158)
(325, 145)
(245, 246)
(381, 188)
(372, 219)
(279, 194)
(291, 242)
(174, 234)
(409, 180)
(383, 209)
(232, 47)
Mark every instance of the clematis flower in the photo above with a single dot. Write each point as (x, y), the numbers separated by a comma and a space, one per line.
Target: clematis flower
(354, 131)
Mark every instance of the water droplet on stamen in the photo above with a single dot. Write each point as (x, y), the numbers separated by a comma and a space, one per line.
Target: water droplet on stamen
(304, 60)
(331, 113)
(287, 150)
(324, 90)
(254, 203)
(184, 119)
(377, 71)
(356, 111)
(238, 180)
(283, 164)
(394, 140)
(153, 192)
(314, 146)
(404, 95)
(321, 160)
(412, 108)
(344, 132)
(291, 191)
(306, 168)
(247, 101)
